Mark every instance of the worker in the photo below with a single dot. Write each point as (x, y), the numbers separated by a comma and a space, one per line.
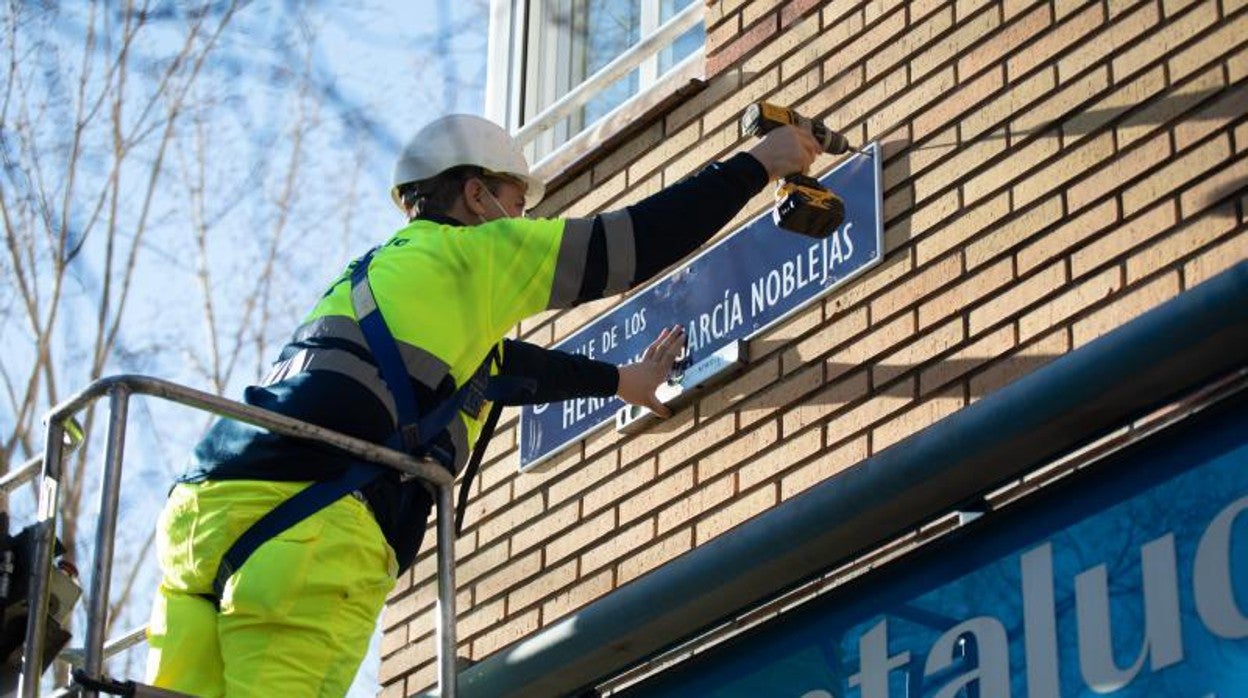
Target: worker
(260, 595)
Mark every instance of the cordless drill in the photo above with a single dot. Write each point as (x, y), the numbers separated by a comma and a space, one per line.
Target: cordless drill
(803, 205)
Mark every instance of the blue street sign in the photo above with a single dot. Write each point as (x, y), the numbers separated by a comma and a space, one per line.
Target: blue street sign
(735, 289)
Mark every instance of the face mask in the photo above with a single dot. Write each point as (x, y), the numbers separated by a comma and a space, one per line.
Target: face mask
(497, 204)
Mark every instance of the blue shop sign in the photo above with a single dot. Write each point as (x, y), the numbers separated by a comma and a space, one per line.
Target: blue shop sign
(742, 285)
(1131, 580)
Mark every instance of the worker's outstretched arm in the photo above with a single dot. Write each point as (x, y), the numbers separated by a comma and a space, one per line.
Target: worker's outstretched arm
(624, 248)
(560, 375)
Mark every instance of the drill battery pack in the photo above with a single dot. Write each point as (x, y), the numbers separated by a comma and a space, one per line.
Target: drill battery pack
(804, 206)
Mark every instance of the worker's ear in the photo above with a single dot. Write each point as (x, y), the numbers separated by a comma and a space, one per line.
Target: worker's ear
(474, 196)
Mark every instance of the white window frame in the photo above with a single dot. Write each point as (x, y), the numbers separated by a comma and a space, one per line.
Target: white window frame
(509, 21)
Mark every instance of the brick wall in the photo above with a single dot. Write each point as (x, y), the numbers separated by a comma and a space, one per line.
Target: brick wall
(1052, 170)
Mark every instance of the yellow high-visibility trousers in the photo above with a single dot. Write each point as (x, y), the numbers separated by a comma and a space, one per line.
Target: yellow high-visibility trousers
(295, 620)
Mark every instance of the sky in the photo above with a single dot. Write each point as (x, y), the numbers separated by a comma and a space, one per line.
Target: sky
(379, 69)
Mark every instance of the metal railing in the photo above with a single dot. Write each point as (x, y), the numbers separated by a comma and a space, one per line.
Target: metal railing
(620, 66)
(63, 435)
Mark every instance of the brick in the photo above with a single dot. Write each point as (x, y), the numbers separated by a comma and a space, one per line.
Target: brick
(833, 333)
(1046, 115)
(1087, 225)
(654, 556)
(515, 628)
(784, 392)
(740, 450)
(1122, 29)
(704, 498)
(647, 501)
(721, 28)
(1014, 100)
(1215, 260)
(576, 597)
(708, 435)
(1013, 8)
(906, 42)
(481, 508)
(600, 197)
(966, 359)
(1021, 161)
(902, 108)
(478, 618)
(957, 102)
(1069, 33)
(502, 524)
(621, 543)
(829, 463)
(742, 45)
(933, 213)
(1125, 308)
(656, 436)
(729, 110)
(783, 44)
(969, 158)
(1071, 164)
(965, 34)
(580, 537)
(1084, 294)
(716, 90)
(1237, 67)
(1017, 33)
(768, 465)
(509, 576)
(1113, 173)
(879, 340)
(1196, 233)
(538, 588)
(1128, 235)
(955, 300)
(966, 8)
(672, 144)
(1213, 191)
(794, 10)
(837, 32)
(870, 412)
(851, 53)
(577, 478)
(926, 413)
(916, 287)
(558, 520)
(1024, 361)
(636, 145)
(916, 353)
(752, 12)
(739, 510)
(1017, 297)
(617, 486)
(1012, 232)
(957, 229)
(865, 286)
(1213, 116)
(1125, 97)
(470, 568)
(1211, 47)
(878, 93)
(711, 146)
(828, 401)
(754, 379)
(1188, 166)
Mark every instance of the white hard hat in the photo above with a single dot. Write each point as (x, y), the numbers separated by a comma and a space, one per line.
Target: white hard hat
(463, 139)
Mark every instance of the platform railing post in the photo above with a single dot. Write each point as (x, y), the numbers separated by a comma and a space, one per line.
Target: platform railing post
(105, 532)
(40, 588)
(447, 675)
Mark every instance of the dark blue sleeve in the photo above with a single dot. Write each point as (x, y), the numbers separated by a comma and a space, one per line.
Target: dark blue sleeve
(559, 375)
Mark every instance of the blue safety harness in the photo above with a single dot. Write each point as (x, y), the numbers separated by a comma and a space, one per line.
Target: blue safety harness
(416, 433)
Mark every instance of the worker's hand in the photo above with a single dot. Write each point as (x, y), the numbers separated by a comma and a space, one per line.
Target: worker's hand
(639, 381)
(786, 150)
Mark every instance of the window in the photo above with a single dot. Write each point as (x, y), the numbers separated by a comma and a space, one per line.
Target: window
(558, 67)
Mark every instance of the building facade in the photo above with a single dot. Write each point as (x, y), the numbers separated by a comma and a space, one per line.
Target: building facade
(1050, 172)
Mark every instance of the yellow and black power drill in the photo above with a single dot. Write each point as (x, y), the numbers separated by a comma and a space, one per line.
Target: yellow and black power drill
(803, 205)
